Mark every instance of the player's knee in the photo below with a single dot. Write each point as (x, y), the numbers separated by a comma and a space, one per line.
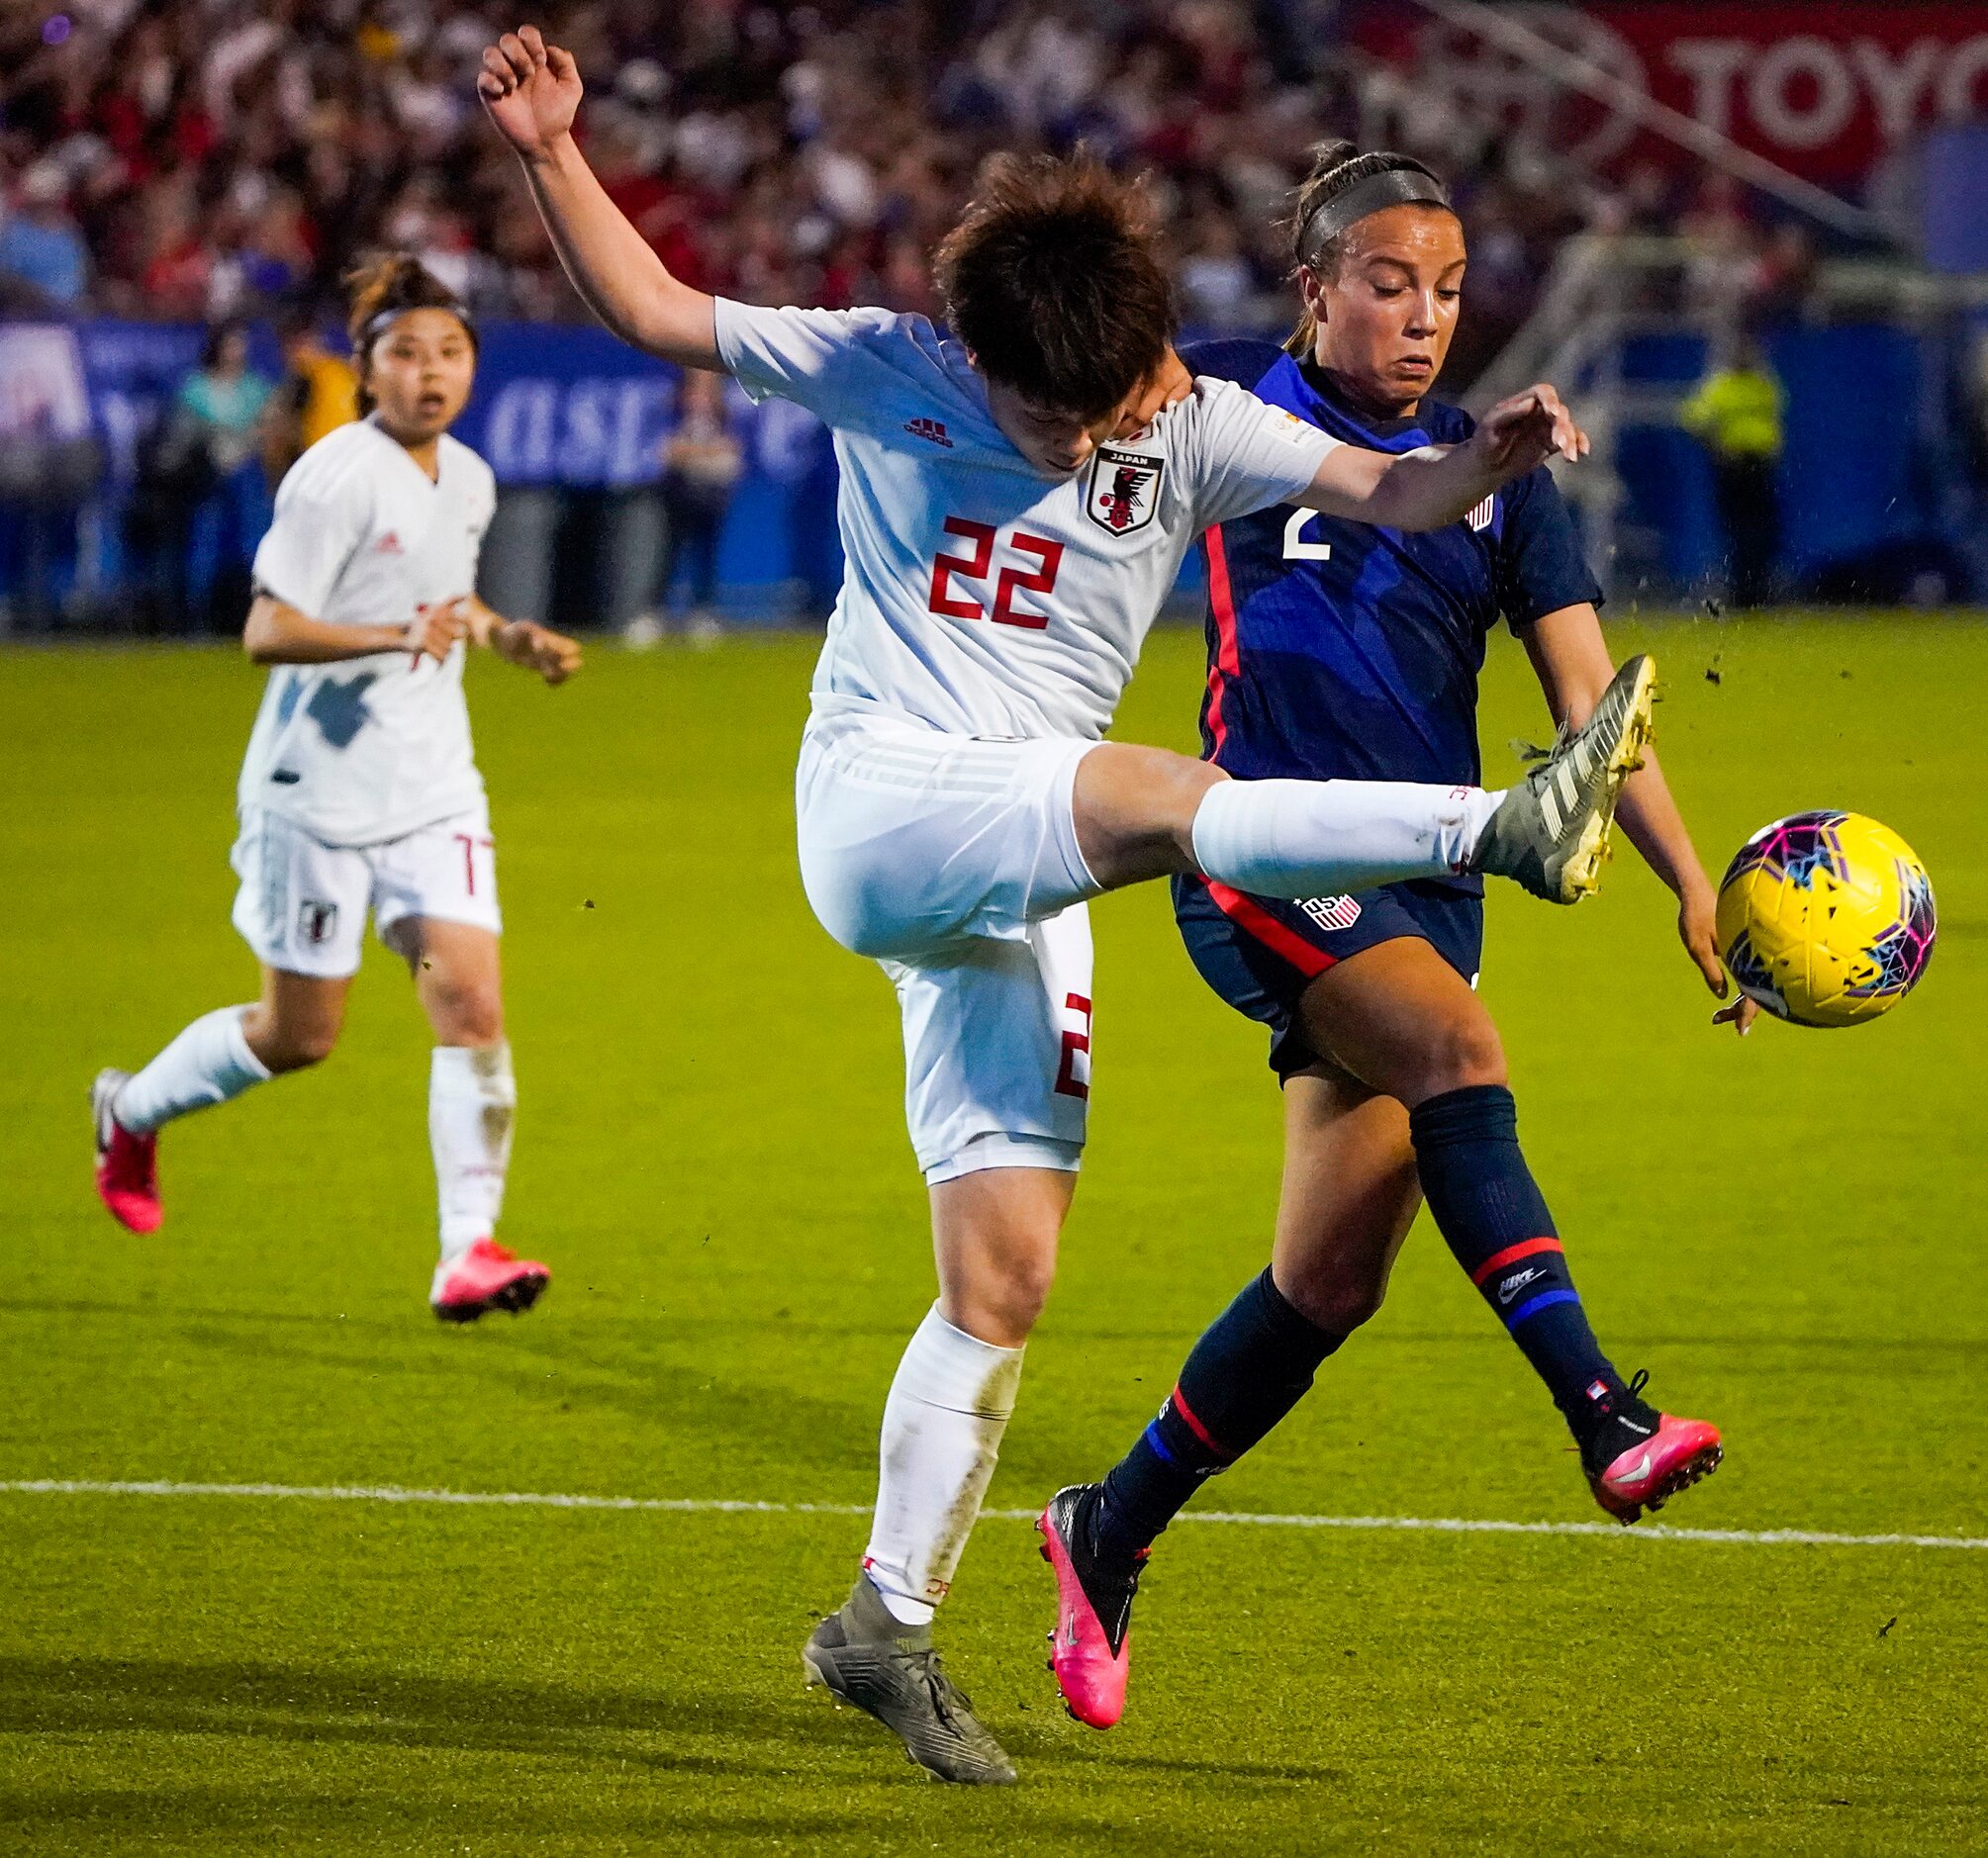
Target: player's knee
(1135, 812)
(1013, 1303)
(297, 1048)
(1338, 1302)
(1465, 1051)
(466, 1013)
(475, 1017)
(1000, 1301)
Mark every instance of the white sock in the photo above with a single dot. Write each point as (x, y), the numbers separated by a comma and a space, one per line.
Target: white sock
(209, 1063)
(949, 1405)
(1324, 838)
(472, 1102)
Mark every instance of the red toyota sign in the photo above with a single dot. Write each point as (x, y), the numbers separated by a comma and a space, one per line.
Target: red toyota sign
(1822, 89)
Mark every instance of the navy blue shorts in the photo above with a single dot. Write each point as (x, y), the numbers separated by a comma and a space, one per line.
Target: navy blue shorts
(1261, 953)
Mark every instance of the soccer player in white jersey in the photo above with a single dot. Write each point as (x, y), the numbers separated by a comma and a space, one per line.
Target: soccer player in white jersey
(1016, 497)
(360, 792)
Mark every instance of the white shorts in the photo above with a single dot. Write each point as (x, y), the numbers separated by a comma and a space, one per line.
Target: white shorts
(303, 904)
(953, 859)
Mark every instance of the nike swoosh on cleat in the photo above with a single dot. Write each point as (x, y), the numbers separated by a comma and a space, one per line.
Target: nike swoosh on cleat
(1641, 1468)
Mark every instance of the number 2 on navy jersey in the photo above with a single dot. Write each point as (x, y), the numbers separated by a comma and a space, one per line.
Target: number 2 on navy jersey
(1041, 578)
(1295, 548)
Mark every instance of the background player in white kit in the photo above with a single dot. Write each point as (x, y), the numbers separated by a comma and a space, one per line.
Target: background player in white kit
(1014, 507)
(360, 792)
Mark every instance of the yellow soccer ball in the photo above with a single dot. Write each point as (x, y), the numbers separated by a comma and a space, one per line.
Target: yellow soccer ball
(1827, 919)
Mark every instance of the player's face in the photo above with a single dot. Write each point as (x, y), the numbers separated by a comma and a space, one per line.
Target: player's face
(1060, 443)
(420, 371)
(1386, 316)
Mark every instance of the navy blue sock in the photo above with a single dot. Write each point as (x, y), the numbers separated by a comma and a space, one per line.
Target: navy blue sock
(1248, 1370)
(1483, 1197)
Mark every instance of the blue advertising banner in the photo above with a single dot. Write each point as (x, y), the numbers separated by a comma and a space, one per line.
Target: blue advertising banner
(557, 408)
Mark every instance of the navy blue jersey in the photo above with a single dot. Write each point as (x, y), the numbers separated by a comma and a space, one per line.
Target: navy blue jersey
(1342, 651)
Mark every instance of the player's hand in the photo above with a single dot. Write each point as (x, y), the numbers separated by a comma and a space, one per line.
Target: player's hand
(1170, 382)
(532, 647)
(530, 89)
(1524, 432)
(433, 630)
(1701, 942)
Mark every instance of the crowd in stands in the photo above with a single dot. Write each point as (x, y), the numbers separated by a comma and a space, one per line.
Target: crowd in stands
(223, 161)
(203, 160)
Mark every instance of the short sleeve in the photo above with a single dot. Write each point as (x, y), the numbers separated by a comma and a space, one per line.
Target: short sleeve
(1540, 564)
(321, 519)
(813, 357)
(1244, 455)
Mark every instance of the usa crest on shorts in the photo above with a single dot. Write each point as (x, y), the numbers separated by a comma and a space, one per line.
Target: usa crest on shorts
(1124, 488)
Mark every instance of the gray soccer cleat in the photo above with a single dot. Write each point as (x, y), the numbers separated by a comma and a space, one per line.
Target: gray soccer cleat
(1551, 831)
(867, 1658)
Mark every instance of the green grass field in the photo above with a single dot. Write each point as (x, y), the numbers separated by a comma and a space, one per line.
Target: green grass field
(1787, 1232)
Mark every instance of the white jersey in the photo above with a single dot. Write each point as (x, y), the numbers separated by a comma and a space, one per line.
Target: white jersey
(370, 748)
(981, 595)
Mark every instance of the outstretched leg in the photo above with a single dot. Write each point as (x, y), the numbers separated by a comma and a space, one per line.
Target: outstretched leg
(1144, 812)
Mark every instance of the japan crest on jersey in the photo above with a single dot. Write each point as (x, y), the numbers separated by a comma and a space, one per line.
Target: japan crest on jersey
(1124, 488)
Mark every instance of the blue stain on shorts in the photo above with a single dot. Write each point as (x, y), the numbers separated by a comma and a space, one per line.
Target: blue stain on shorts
(1261, 953)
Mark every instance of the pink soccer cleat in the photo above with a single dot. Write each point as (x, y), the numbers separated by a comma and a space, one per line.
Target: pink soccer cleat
(127, 1164)
(486, 1276)
(1091, 1650)
(1646, 1457)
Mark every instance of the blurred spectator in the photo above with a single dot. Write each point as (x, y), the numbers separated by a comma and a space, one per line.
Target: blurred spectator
(1218, 285)
(43, 262)
(206, 475)
(318, 394)
(1736, 411)
(215, 159)
(701, 464)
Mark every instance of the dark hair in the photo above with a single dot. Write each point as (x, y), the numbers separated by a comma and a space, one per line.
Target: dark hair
(1053, 279)
(217, 338)
(1335, 167)
(381, 288)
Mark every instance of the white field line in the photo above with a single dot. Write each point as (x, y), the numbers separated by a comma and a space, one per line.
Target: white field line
(719, 1506)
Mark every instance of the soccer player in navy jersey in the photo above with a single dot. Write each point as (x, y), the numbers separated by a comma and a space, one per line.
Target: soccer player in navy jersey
(1343, 651)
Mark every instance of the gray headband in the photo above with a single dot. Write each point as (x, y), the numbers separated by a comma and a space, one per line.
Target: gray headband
(381, 321)
(1391, 187)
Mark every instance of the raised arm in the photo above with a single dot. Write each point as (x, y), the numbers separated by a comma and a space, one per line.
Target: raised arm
(1437, 484)
(1571, 659)
(532, 92)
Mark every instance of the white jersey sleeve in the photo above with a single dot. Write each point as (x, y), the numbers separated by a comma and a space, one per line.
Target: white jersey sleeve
(837, 363)
(1241, 455)
(322, 511)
